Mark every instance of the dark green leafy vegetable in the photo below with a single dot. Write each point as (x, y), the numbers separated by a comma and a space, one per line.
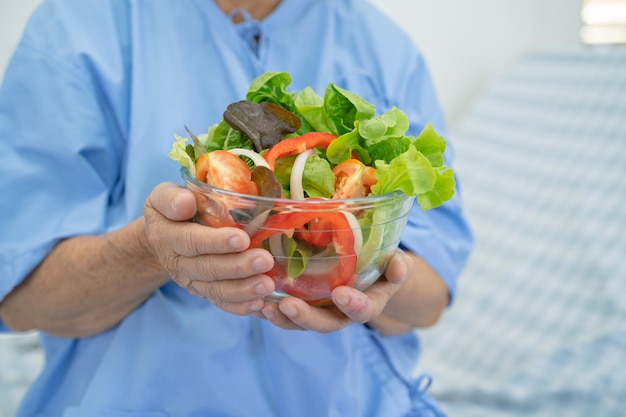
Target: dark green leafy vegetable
(223, 136)
(266, 182)
(264, 124)
(268, 186)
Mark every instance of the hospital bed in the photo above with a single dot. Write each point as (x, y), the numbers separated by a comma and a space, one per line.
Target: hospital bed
(539, 324)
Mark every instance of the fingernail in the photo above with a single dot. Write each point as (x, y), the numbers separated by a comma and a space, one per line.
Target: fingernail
(342, 299)
(289, 311)
(405, 265)
(404, 273)
(236, 243)
(268, 313)
(257, 305)
(261, 264)
(261, 289)
(175, 201)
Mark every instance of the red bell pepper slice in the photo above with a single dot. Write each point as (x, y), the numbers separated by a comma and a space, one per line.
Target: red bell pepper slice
(317, 232)
(298, 144)
(311, 287)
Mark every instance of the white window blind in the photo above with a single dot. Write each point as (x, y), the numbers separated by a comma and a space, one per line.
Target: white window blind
(604, 22)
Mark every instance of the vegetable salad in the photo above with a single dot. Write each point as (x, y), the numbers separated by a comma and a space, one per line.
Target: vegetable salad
(299, 146)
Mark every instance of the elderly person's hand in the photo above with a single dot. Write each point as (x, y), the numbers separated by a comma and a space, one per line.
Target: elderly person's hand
(212, 263)
(409, 295)
(215, 264)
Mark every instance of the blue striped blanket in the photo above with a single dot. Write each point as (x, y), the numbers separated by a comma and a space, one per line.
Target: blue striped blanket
(539, 325)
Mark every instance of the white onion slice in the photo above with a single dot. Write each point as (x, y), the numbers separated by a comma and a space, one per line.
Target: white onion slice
(276, 248)
(255, 224)
(356, 231)
(295, 181)
(256, 158)
(321, 266)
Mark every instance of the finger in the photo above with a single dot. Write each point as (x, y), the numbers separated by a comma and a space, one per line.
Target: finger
(243, 308)
(191, 239)
(259, 315)
(272, 313)
(172, 201)
(364, 306)
(319, 319)
(233, 291)
(400, 267)
(217, 267)
(167, 210)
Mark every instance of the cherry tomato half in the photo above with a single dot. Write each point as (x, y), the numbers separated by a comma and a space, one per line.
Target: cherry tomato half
(227, 171)
(353, 179)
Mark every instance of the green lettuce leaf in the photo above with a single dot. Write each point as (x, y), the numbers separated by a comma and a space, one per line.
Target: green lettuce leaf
(442, 191)
(222, 136)
(318, 179)
(384, 136)
(271, 87)
(341, 148)
(298, 255)
(392, 124)
(311, 108)
(410, 172)
(183, 154)
(343, 108)
(431, 144)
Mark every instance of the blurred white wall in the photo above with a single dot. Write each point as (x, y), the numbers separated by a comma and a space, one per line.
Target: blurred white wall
(465, 42)
(468, 42)
(13, 17)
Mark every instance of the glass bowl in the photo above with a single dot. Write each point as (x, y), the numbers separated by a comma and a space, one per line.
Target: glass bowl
(317, 244)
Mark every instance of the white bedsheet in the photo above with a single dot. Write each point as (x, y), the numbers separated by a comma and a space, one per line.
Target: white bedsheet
(21, 360)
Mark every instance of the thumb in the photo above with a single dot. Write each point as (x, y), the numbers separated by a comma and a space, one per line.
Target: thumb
(172, 201)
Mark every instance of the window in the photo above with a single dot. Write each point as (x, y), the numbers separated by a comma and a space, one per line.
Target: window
(604, 22)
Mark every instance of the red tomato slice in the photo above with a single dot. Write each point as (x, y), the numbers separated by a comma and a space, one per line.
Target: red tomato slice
(353, 179)
(224, 170)
(227, 171)
(296, 145)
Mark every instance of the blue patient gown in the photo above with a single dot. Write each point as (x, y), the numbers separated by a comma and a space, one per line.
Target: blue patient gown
(88, 111)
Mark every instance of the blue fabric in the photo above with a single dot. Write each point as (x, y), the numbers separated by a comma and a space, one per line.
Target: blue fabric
(88, 109)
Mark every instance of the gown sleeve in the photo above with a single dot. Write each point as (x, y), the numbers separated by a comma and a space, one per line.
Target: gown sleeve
(440, 236)
(61, 150)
